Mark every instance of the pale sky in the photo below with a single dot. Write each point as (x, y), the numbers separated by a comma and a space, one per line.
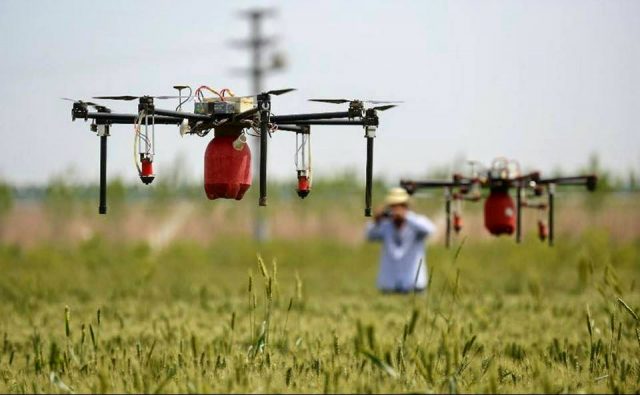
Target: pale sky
(545, 82)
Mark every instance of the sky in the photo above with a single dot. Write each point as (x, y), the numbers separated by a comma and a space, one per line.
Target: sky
(545, 82)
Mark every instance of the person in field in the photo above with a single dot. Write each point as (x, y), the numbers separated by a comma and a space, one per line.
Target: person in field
(403, 234)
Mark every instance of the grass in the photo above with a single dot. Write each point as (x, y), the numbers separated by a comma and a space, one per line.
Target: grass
(305, 317)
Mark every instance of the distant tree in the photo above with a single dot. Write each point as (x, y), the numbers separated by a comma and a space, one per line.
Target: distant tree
(60, 203)
(6, 204)
(557, 172)
(443, 172)
(632, 183)
(605, 178)
(116, 192)
(595, 200)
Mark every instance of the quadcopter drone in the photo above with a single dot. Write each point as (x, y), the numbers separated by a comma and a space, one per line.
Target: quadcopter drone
(501, 215)
(227, 160)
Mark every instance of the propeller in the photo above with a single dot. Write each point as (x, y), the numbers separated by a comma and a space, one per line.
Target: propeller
(384, 108)
(129, 98)
(384, 101)
(278, 92)
(86, 103)
(341, 101)
(275, 92)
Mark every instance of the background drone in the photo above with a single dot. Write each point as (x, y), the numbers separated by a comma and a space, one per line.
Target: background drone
(502, 216)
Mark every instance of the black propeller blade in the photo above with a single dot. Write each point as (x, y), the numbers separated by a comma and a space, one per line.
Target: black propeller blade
(86, 103)
(278, 92)
(341, 101)
(129, 98)
(275, 92)
(384, 108)
(333, 101)
(383, 101)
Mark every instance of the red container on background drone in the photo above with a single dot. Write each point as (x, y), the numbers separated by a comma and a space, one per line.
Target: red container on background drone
(500, 213)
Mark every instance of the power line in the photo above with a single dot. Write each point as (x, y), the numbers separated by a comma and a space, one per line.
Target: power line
(258, 44)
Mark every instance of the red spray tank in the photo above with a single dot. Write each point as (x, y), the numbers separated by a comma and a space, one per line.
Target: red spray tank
(499, 212)
(227, 166)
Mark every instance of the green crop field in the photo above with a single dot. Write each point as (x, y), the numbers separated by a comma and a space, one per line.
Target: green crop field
(105, 316)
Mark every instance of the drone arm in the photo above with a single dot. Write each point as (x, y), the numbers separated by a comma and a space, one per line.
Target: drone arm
(296, 118)
(335, 122)
(128, 119)
(589, 181)
(181, 115)
(124, 121)
(534, 176)
(293, 128)
(245, 114)
(412, 186)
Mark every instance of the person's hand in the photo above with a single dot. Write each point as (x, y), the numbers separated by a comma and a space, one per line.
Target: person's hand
(399, 212)
(379, 213)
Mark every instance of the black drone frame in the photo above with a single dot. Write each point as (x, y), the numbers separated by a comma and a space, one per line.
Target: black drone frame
(103, 119)
(531, 181)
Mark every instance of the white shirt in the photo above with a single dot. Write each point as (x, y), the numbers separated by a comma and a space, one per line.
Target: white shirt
(402, 251)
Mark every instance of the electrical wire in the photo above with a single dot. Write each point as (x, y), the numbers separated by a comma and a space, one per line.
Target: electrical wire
(137, 138)
(185, 100)
(305, 142)
(227, 90)
(200, 95)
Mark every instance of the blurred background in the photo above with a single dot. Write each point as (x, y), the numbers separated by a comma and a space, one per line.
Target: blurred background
(551, 84)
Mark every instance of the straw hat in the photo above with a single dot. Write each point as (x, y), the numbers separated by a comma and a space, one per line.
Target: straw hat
(396, 196)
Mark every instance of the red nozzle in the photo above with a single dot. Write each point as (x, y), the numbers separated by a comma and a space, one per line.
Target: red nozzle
(303, 187)
(457, 222)
(146, 172)
(543, 232)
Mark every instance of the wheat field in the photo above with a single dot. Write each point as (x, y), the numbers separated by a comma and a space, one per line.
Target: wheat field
(233, 316)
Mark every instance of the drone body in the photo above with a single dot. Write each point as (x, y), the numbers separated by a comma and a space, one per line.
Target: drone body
(227, 159)
(502, 214)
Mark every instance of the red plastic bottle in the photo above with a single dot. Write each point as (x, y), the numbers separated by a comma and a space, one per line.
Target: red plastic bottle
(227, 171)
